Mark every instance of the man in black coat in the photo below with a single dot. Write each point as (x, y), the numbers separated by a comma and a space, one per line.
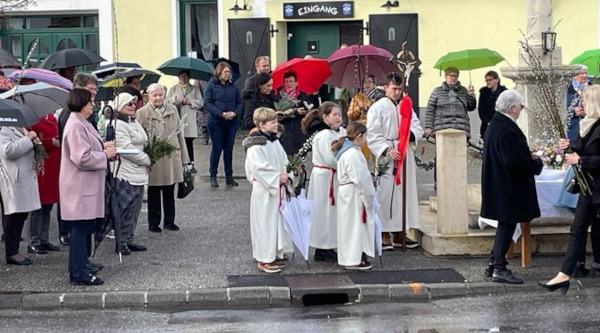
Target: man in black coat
(487, 99)
(262, 64)
(507, 181)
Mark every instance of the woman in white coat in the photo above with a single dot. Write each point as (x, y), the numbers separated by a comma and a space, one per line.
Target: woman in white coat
(323, 126)
(188, 100)
(355, 219)
(132, 167)
(18, 187)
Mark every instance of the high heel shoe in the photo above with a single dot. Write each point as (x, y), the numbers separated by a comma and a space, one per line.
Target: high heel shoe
(562, 286)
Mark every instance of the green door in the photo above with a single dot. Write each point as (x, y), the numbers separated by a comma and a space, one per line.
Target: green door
(317, 39)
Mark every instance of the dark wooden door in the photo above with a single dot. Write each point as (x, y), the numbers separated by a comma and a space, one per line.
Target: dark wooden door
(389, 31)
(248, 39)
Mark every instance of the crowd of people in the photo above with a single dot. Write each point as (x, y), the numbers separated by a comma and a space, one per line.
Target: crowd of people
(355, 166)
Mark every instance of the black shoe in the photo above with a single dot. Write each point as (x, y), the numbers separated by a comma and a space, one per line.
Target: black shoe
(505, 276)
(64, 239)
(489, 270)
(325, 255)
(90, 281)
(206, 142)
(124, 250)
(154, 228)
(193, 170)
(562, 286)
(133, 247)
(36, 249)
(50, 247)
(213, 182)
(580, 270)
(171, 227)
(230, 182)
(11, 261)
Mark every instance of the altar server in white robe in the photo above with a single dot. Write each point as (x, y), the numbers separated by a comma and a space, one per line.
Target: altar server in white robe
(326, 122)
(265, 165)
(356, 225)
(383, 121)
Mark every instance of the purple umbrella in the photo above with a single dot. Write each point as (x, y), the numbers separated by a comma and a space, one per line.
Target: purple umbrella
(371, 60)
(42, 75)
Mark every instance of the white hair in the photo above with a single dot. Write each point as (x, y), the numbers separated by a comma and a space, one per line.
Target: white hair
(508, 99)
(155, 86)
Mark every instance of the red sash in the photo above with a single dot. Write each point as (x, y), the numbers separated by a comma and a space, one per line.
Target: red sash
(405, 110)
(331, 196)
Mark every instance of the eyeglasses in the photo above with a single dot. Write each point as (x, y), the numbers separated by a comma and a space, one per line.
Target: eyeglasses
(131, 104)
(453, 75)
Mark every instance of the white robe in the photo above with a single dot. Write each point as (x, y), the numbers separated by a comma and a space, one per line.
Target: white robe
(264, 164)
(356, 192)
(323, 233)
(383, 121)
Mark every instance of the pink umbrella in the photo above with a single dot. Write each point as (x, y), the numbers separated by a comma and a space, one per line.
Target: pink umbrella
(347, 73)
(42, 75)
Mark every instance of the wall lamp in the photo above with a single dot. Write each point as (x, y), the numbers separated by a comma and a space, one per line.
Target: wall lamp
(237, 8)
(548, 41)
(389, 4)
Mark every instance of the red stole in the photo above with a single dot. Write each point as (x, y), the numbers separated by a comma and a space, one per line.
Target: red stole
(405, 110)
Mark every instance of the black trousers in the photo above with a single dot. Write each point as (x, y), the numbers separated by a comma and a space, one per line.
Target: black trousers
(154, 204)
(13, 227)
(502, 241)
(189, 143)
(585, 215)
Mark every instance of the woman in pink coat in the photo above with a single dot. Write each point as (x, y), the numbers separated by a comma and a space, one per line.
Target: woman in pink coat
(82, 181)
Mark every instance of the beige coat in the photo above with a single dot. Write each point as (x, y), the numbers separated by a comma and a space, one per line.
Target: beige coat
(167, 170)
(190, 111)
(18, 179)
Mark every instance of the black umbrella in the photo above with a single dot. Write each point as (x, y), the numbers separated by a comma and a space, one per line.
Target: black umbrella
(8, 60)
(119, 196)
(70, 58)
(235, 67)
(110, 68)
(16, 114)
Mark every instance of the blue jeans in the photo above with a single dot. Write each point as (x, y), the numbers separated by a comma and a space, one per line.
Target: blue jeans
(223, 138)
(78, 252)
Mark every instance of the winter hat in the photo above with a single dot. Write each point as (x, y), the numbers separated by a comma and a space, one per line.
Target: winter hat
(123, 99)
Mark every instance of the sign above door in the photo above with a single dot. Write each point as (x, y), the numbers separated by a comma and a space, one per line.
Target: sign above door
(301, 10)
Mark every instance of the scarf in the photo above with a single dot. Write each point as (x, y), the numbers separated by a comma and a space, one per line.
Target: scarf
(578, 86)
(345, 146)
(293, 93)
(585, 125)
(270, 136)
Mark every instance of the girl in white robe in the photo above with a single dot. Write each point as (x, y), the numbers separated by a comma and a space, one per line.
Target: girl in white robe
(383, 121)
(356, 226)
(266, 163)
(326, 122)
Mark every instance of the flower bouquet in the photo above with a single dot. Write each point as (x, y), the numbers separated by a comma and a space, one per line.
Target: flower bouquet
(158, 146)
(286, 107)
(382, 167)
(39, 155)
(298, 160)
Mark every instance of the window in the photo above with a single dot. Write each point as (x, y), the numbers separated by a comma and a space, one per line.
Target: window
(200, 30)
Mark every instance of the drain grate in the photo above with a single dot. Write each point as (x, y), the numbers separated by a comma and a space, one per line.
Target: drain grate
(321, 289)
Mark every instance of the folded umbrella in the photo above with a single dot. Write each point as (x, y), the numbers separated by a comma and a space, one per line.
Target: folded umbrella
(310, 73)
(41, 97)
(198, 69)
(350, 64)
(13, 113)
(70, 58)
(378, 240)
(235, 67)
(42, 75)
(297, 220)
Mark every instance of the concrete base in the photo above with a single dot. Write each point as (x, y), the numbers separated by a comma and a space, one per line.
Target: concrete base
(544, 239)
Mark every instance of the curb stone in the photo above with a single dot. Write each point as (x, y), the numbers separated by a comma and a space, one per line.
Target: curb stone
(166, 298)
(207, 298)
(83, 300)
(413, 291)
(280, 296)
(125, 299)
(447, 290)
(371, 293)
(248, 296)
(41, 301)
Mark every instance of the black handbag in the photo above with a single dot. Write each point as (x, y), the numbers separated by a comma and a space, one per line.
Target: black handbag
(572, 186)
(186, 186)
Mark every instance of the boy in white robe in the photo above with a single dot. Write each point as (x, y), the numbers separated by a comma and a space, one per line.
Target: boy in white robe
(266, 163)
(383, 122)
(326, 122)
(356, 225)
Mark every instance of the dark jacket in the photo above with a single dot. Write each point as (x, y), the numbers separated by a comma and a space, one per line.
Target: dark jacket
(573, 100)
(449, 110)
(588, 149)
(487, 105)
(219, 98)
(293, 138)
(507, 177)
(258, 100)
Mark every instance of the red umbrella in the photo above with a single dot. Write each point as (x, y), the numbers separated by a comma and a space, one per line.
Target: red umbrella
(311, 73)
(347, 73)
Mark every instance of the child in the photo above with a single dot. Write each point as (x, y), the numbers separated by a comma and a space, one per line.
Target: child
(266, 163)
(356, 227)
(326, 122)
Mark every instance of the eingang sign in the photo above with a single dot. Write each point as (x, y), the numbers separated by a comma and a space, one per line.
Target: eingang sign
(297, 10)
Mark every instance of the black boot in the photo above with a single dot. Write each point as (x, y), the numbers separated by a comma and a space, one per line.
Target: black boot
(205, 134)
(213, 182)
(230, 182)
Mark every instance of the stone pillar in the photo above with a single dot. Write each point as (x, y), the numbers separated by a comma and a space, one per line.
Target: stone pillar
(452, 210)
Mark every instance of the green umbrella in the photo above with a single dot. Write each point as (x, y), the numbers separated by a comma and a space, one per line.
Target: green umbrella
(198, 68)
(469, 59)
(589, 58)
